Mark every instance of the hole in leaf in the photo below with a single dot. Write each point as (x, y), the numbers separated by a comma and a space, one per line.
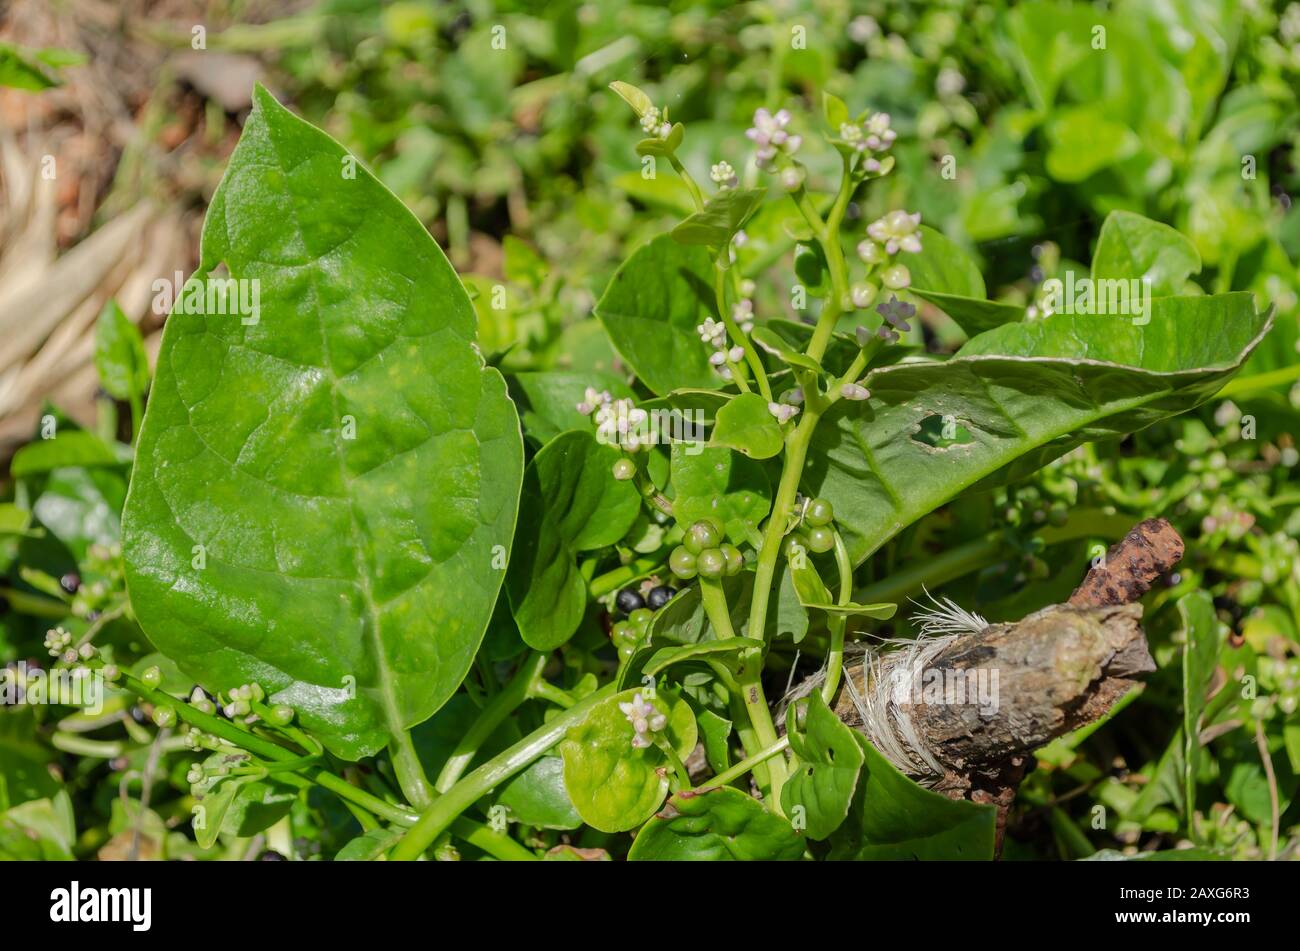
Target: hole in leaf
(942, 432)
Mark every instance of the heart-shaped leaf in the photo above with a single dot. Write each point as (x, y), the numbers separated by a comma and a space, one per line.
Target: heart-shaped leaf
(271, 533)
(614, 785)
(571, 503)
(716, 825)
(717, 483)
(746, 425)
(1132, 247)
(821, 785)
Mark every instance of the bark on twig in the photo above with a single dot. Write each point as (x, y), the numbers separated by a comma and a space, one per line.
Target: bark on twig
(1052, 672)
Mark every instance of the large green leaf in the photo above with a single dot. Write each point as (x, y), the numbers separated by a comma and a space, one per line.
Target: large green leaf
(721, 824)
(944, 274)
(347, 464)
(1017, 397)
(893, 818)
(651, 308)
(571, 503)
(1133, 247)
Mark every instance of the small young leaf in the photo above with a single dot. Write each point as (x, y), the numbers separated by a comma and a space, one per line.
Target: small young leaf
(775, 345)
(881, 612)
(71, 448)
(826, 774)
(722, 216)
(746, 425)
(835, 111)
(718, 825)
(613, 785)
(633, 96)
(119, 355)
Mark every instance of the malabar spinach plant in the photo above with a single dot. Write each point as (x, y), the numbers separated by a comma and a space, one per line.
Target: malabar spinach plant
(554, 611)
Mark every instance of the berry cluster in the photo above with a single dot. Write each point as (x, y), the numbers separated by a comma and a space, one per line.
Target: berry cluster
(631, 633)
(704, 553)
(815, 532)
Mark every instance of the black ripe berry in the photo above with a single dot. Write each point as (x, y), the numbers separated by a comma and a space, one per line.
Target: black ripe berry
(70, 582)
(628, 600)
(659, 596)
(270, 855)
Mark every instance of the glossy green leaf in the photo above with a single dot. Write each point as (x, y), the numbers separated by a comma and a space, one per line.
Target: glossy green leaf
(683, 620)
(722, 216)
(1083, 140)
(571, 503)
(613, 785)
(209, 815)
(368, 846)
(654, 660)
(1025, 393)
(651, 308)
(710, 482)
(881, 612)
(835, 112)
(821, 784)
(892, 818)
(715, 735)
(1133, 247)
(633, 96)
(271, 533)
(746, 425)
(716, 825)
(537, 797)
(120, 359)
(946, 276)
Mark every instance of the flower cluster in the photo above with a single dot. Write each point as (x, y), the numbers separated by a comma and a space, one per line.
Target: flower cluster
(871, 138)
(645, 719)
(886, 237)
(656, 124)
(769, 134)
(896, 314)
(714, 333)
(241, 700)
(723, 175)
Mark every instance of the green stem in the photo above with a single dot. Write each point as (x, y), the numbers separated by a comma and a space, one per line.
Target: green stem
(493, 843)
(1260, 381)
(491, 717)
(749, 679)
(545, 690)
(738, 336)
(438, 817)
(696, 195)
(602, 585)
(675, 761)
(410, 771)
(745, 765)
(838, 625)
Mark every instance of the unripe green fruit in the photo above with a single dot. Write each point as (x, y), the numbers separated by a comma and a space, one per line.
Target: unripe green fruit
(700, 536)
(164, 717)
(151, 677)
(625, 652)
(819, 513)
(821, 539)
(735, 560)
(624, 469)
(896, 278)
(711, 563)
(280, 715)
(682, 562)
(640, 618)
(623, 633)
(795, 543)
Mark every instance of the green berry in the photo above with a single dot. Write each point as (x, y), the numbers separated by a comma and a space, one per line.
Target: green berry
(821, 539)
(711, 563)
(795, 544)
(164, 717)
(682, 562)
(735, 560)
(280, 715)
(625, 652)
(702, 535)
(624, 469)
(151, 677)
(896, 278)
(819, 513)
(640, 618)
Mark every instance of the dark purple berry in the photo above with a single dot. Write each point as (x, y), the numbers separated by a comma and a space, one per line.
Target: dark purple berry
(629, 600)
(271, 855)
(70, 582)
(659, 596)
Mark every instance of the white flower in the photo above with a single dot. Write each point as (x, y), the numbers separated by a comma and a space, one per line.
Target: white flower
(718, 357)
(863, 28)
(852, 391)
(897, 230)
(742, 312)
(879, 135)
(792, 178)
(740, 240)
(723, 175)
(736, 354)
(870, 252)
(793, 396)
(57, 640)
(852, 135)
(713, 332)
(949, 82)
(645, 719)
(783, 412)
(593, 400)
(770, 135)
